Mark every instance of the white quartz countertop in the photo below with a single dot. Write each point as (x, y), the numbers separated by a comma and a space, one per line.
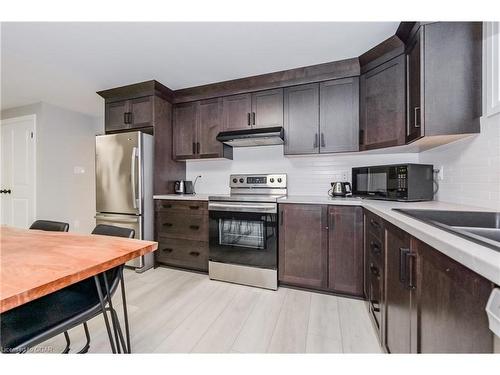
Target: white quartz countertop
(481, 259)
(187, 197)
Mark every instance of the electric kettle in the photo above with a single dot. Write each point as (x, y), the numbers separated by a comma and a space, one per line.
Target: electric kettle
(340, 189)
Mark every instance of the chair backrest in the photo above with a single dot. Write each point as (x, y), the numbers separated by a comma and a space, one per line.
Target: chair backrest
(53, 226)
(111, 230)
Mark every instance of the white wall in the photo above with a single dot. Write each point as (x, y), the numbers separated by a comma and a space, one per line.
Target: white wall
(307, 175)
(65, 140)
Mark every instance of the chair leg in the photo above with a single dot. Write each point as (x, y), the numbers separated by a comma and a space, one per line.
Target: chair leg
(125, 313)
(103, 308)
(114, 321)
(68, 342)
(85, 349)
(118, 329)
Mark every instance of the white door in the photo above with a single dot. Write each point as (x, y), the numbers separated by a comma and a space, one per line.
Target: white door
(17, 173)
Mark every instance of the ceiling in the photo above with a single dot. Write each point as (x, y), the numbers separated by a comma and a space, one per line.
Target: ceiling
(66, 63)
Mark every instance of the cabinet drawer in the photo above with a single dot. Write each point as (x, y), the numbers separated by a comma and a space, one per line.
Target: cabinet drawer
(187, 205)
(374, 225)
(183, 253)
(178, 225)
(374, 250)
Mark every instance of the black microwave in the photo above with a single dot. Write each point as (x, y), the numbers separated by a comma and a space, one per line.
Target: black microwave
(399, 182)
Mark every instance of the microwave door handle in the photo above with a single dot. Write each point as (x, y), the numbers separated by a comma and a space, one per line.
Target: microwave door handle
(133, 178)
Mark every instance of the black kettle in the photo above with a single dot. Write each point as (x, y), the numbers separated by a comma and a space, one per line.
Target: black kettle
(340, 189)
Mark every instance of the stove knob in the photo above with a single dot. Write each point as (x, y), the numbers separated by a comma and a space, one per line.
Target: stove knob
(271, 180)
(279, 179)
(242, 180)
(235, 180)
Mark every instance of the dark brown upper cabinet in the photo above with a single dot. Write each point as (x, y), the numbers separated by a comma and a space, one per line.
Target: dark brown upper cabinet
(303, 245)
(267, 108)
(134, 107)
(444, 63)
(345, 249)
(301, 115)
(185, 123)
(129, 114)
(195, 128)
(237, 111)
(260, 109)
(382, 115)
(339, 115)
(400, 284)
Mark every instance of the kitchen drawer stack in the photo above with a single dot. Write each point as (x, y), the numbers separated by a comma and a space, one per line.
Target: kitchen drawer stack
(182, 233)
(374, 268)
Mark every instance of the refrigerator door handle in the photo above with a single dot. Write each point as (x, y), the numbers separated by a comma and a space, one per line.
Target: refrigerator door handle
(133, 177)
(116, 219)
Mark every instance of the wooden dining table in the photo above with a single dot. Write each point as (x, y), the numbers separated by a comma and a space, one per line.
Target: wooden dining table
(34, 263)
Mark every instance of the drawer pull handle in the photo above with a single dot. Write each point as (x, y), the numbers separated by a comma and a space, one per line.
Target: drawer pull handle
(375, 248)
(167, 250)
(194, 253)
(194, 207)
(167, 224)
(194, 227)
(166, 206)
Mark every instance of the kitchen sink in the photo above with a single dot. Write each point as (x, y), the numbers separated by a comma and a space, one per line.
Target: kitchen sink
(480, 227)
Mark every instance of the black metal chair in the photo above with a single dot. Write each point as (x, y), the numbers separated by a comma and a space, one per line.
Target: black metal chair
(53, 226)
(46, 317)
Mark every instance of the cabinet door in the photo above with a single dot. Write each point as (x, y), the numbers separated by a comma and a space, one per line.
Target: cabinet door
(237, 112)
(339, 115)
(116, 116)
(267, 108)
(210, 124)
(345, 249)
(413, 65)
(451, 299)
(301, 116)
(303, 245)
(382, 105)
(397, 292)
(185, 121)
(141, 112)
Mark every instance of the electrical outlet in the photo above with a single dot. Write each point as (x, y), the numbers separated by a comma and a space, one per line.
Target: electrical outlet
(344, 176)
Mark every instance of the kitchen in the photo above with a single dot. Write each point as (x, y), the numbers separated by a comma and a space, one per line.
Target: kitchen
(347, 206)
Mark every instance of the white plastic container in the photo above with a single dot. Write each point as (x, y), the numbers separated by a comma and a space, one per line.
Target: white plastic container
(493, 311)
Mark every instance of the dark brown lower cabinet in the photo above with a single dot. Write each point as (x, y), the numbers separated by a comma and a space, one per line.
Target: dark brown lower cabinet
(303, 245)
(451, 303)
(399, 292)
(345, 249)
(182, 234)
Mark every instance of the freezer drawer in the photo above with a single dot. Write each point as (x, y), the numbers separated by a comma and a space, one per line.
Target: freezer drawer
(124, 221)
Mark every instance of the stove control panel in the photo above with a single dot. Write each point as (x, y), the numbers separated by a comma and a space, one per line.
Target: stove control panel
(257, 180)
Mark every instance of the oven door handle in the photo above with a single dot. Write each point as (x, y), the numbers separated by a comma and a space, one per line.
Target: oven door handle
(241, 207)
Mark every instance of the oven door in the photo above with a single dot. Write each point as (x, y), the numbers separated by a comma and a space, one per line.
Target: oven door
(243, 233)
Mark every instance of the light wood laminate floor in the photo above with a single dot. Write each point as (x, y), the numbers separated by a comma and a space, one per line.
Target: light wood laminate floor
(178, 311)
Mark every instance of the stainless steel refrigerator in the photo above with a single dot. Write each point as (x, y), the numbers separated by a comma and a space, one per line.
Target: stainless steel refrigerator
(124, 186)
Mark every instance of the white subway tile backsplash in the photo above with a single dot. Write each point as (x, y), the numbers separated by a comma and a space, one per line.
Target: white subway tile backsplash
(471, 167)
(307, 175)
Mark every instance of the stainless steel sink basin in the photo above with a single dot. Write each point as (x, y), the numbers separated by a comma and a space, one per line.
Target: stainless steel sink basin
(480, 227)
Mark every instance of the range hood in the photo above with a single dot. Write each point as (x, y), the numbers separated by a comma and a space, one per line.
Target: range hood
(252, 137)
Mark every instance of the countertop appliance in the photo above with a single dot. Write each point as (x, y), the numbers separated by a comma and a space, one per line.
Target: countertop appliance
(124, 186)
(252, 137)
(243, 230)
(398, 182)
(340, 189)
(184, 187)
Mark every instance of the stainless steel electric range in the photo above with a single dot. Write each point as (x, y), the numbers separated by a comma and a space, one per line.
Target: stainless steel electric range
(243, 230)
